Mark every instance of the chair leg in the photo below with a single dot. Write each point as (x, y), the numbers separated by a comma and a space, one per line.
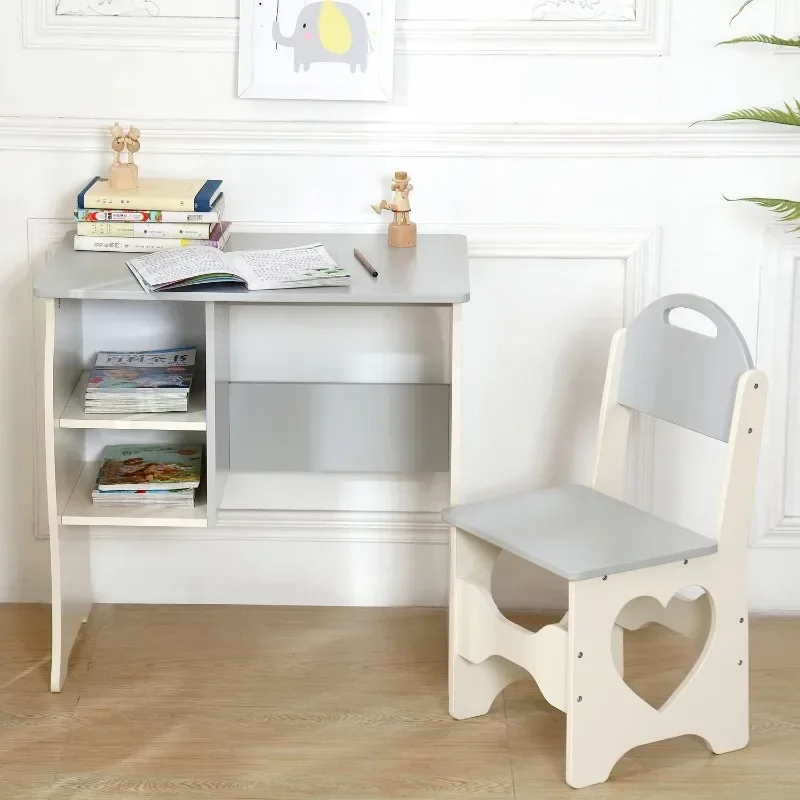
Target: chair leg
(605, 718)
(617, 644)
(591, 726)
(725, 726)
(473, 687)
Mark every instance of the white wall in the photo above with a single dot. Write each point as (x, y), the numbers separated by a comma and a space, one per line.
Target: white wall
(561, 147)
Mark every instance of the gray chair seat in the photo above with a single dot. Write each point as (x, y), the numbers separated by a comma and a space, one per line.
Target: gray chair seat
(577, 532)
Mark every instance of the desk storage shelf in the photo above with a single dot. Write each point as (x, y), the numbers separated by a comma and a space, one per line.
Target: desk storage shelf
(270, 443)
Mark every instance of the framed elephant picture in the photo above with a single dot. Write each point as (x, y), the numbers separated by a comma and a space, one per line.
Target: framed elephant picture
(317, 49)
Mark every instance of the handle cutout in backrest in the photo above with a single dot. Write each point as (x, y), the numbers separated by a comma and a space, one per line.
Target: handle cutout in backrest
(691, 320)
(681, 375)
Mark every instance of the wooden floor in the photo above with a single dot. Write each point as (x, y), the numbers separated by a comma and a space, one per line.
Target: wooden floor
(245, 703)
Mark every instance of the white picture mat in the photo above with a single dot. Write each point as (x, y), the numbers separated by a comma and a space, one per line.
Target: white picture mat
(267, 71)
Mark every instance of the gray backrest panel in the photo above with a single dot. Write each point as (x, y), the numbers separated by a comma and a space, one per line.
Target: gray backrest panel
(681, 376)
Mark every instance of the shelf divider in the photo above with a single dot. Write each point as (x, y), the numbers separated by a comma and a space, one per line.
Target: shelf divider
(218, 371)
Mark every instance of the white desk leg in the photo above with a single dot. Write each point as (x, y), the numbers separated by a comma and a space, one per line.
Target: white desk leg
(455, 403)
(455, 469)
(63, 456)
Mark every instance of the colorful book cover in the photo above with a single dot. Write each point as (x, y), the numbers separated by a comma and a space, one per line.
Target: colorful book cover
(168, 194)
(134, 467)
(121, 244)
(116, 371)
(146, 230)
(132, 215)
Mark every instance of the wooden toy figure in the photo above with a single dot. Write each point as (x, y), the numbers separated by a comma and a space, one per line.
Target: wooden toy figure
(124, 175)
(402, 232)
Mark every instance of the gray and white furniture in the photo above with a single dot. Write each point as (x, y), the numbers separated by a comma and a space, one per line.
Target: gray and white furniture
(266, 437)
(625, 567)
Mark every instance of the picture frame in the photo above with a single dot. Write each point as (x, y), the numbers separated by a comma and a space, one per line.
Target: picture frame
(317, 49)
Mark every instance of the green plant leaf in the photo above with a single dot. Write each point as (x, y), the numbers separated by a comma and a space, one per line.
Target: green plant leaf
(764, 38)
(788, 209)
(742, 8)
(791, 116)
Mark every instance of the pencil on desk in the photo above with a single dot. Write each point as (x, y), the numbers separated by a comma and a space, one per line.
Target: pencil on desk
(367, 266)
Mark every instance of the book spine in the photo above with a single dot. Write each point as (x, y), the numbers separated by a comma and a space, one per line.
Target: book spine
(144, 230)
(114, 215)
(218, 231)
(134, 245)
(206, 196)
(82, 193)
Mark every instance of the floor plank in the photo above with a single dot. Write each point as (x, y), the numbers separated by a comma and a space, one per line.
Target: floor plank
(369, 745)
(33, 733)
(25, 643)
(244, 703)
(25, 785)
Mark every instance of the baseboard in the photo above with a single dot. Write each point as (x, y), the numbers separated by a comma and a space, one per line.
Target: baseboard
(298, 572)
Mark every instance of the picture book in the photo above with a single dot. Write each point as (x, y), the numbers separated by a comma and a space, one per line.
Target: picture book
(167, 194)
(126, 372)
(286, 268)
(132, 244)
(131, 215)
(171, 498)
(164, 467)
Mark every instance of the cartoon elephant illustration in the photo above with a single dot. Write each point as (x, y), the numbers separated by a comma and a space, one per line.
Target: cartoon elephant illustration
(328, 31)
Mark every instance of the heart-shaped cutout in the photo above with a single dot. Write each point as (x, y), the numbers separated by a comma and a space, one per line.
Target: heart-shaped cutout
(662, 644)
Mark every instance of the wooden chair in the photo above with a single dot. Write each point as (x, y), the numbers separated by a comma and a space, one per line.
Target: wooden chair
(624, 566)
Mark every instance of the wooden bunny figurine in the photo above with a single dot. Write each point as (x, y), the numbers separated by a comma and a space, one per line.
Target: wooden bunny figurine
(124, 175)
(402, 232)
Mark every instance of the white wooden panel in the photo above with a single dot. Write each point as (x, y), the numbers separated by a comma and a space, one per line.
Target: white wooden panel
(520, 10)
(536, 340)
(564, 142)
(407, 9)
(297, 491)
(439, 27)
(356, 345)
(109, 325)
(148, 8)
(777, 522)
(791, 483)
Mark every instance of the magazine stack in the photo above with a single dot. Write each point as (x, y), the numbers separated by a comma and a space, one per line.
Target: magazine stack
(149, 475)
(153, 381)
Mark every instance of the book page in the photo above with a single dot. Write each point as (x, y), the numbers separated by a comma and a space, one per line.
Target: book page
(263, 269)
(179, 264)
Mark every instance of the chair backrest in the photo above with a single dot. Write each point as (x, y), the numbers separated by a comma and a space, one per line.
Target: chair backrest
(681, 376)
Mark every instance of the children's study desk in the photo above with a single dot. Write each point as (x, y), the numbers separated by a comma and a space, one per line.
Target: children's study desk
(249, 426)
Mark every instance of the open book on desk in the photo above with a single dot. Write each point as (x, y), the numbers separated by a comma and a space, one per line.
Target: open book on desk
(286, 268)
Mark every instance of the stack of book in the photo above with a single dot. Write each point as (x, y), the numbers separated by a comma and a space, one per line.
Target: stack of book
(149, 475)
(161, 214)
(152, 381)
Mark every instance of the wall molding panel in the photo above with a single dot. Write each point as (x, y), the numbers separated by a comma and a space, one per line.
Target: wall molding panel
(147, 8)
(640, 250)
(399, 139)
(557, 27)
(582, 10)
(777, 328)
(616, 10)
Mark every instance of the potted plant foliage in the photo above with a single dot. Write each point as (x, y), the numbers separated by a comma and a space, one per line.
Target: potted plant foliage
(789, 210)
